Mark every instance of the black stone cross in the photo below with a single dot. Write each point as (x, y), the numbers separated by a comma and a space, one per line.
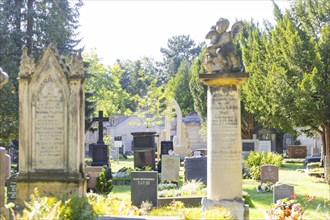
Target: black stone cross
(100, 119)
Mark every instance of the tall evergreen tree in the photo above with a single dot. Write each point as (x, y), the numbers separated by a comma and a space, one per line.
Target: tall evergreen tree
(178, 48)
(289, 83)
(33, 23)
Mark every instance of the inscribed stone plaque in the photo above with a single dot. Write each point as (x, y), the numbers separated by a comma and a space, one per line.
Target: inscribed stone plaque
(265, 146)
(166, 146)
(144, 187)
(144, 158)
(93, 173)
(11, 188)
(196, 169)
(100, 155)
(49, 127)
(297, 151)
(315, 152)
(170, 167)
(248, 146)
(269, 173)
(282, 191)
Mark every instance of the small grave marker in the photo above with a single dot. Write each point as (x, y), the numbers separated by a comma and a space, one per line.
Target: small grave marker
(196, 168)
(282, 191)
(170, 167)
(144, 187)
(166, 146)
(297, 151)
(11, 184)
(269, 173)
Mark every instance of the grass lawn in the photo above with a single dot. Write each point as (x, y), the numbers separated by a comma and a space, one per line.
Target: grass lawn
(318, 208)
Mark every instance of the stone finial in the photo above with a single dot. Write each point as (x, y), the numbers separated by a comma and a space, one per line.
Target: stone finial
(220, 55)
(77, 66)
(3, 78)
(27, 67)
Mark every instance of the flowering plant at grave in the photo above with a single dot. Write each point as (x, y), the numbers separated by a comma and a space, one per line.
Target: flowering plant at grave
(265, 187)
(288, 209)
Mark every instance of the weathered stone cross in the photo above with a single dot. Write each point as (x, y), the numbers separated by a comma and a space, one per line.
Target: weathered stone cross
(100, 119)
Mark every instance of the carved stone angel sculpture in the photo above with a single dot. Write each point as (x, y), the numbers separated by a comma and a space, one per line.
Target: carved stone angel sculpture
(220, 55)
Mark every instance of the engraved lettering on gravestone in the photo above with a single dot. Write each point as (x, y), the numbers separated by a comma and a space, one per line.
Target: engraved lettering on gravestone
(49, 127)
(11, 188)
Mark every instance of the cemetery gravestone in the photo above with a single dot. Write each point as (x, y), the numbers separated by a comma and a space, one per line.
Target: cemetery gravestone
(11, 185)
(170, 168)
(316, 152)
(196, 169)
(100, 150)
(93, 173)
(166, 146)
(7, 165)
(297, 151)
(269, 173)
(51, 126)
(265, 146)
(282, 191)
(144, 187)
(2, 176)
(144, 149)
(224, 145)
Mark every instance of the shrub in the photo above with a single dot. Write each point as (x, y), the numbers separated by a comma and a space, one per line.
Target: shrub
(104, 182)
(43, 207)
(256, 159)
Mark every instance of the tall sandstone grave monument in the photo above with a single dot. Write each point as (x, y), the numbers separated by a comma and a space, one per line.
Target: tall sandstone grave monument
(51, 126)
(224, 144)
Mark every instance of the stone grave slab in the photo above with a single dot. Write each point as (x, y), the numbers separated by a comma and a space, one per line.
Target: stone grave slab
(165, 147)
(297, 151)
(315, 152)
(196, 169)
(8, 165)
(144, 187)
(93, 173)
(282, 191)
(170, 168)
(264, 146)
(2, 176)
(52, 126)
(11, 184)
(269, 173)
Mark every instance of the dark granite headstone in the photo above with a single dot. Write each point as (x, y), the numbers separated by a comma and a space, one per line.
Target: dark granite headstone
(282, 191)
(166, 146)
(248, 146)
(269, 173)
(144, 149)
(144, 158)
(196, 169)
(144, 187)
(100, 151)
(100, 155)
(11, 183)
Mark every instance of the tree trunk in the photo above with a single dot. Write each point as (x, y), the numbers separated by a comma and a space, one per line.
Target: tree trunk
(29, 27)
(326, 144)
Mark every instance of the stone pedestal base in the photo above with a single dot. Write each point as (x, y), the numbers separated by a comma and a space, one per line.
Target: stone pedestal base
(237, 208)
(45, 188)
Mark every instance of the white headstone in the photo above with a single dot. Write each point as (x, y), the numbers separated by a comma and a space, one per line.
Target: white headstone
(170, 168)
(264, 146)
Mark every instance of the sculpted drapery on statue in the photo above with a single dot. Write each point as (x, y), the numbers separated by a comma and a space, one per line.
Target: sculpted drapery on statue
(220, 55)
(3, 78)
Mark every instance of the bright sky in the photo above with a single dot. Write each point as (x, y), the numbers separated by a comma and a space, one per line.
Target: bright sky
(133, 29)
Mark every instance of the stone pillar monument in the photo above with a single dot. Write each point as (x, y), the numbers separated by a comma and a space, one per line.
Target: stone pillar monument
(224, 144)
(51, 126)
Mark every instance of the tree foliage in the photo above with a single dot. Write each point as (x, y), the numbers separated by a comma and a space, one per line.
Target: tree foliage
(178, 48)
(289, 69)
(35, 24)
